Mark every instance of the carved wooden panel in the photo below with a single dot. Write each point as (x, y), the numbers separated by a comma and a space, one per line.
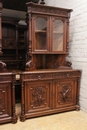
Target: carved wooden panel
(48, 10)
(66, 74)
(5, 100)
(9, 43)
(65, 93)
(5, 78)
(38, 96)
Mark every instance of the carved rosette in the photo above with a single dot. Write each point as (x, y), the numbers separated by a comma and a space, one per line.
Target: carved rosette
(65, 94)
(38, 97)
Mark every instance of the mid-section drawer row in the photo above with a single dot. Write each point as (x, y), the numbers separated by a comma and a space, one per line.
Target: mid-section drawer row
(47, 76)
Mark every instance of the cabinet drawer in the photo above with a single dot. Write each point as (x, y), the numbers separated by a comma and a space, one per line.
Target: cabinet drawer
(31, 77)
(4, 78)
(61, 75)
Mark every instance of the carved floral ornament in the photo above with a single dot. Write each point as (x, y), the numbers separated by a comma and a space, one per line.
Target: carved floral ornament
(38, 96)
(65, 94)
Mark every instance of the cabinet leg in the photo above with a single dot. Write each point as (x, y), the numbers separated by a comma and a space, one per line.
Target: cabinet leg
(14, 118)
(22, 116)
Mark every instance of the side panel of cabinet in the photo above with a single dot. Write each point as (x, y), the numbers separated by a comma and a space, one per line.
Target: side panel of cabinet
(65, 93)
(5, 101)
(38, 96)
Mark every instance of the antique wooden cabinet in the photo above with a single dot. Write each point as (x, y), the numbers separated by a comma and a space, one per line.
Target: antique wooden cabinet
(49, 84)
(49, 91)
(7, 98)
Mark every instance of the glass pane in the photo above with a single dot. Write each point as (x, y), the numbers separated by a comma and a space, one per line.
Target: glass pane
(57, 35)
(41, 34)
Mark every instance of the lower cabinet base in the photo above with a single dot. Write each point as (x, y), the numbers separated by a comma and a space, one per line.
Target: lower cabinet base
(49, 92)
(13, 120)
(44, 113)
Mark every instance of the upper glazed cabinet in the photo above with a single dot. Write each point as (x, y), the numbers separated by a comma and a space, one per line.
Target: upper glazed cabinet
(48, 34)
(49, 29)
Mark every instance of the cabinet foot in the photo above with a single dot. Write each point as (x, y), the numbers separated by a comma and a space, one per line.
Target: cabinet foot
(77, 107)
(22, 118)
(14, 119)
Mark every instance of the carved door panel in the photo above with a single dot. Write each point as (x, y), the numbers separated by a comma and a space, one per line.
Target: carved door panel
(38, 95)
(65, 93)
(5, 100)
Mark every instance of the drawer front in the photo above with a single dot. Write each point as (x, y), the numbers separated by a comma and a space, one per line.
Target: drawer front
(32, 77)
(61, 75)
(5, 78)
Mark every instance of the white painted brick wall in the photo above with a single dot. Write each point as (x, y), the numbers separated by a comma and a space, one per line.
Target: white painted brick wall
(78, 40)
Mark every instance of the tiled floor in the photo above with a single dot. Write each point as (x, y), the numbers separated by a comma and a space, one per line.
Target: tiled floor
(72, 120)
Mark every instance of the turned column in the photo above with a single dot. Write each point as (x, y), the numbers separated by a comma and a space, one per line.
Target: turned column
(1, 6)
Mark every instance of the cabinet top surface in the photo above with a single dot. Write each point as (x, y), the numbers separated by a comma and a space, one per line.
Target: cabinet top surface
(48, 71)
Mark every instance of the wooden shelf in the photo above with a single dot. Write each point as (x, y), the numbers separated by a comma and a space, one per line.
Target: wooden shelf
(40, 31)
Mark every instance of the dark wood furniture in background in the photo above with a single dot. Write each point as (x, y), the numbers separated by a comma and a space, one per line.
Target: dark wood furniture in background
(7, 98)
(14, 44)
(49, 84)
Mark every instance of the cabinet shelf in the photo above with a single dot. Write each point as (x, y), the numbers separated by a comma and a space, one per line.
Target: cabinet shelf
(40, 31)
(57, 32)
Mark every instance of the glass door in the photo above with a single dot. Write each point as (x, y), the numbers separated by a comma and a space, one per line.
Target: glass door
(40, 41)
(57, 35)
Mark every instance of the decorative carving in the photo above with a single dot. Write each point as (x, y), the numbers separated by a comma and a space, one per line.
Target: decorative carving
(1, 47)
(9, 43)
(66, 75)
(50, 10)
(2, 109)
(31, 77)
(22, 116)
(5, 78)
(2, 66)
(56, 64)
(14, 116)
(65, 93)
(38, 96)
(30, 65)
(67, 63)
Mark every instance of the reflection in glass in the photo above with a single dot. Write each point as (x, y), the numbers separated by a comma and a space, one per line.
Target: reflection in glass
(40, 34)
(57, 35)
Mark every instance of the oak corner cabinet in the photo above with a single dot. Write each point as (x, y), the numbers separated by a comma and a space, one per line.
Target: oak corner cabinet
(49, 84)
(7, 98)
